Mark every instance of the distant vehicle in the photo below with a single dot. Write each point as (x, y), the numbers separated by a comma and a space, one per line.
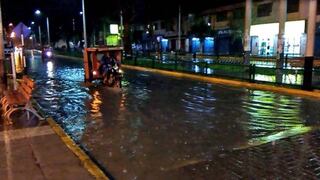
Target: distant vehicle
(47, 53)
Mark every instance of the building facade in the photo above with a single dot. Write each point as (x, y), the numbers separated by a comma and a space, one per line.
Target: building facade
(227, 23)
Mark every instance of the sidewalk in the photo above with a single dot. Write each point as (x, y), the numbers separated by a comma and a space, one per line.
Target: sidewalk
(32, 149)
(37, 153)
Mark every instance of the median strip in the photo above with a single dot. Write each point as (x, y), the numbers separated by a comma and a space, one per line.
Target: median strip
(283, 90)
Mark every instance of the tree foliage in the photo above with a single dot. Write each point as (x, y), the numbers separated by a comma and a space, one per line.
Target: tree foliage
(201, 29)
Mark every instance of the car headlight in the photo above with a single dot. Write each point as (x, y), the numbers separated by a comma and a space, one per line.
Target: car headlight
(49, 53)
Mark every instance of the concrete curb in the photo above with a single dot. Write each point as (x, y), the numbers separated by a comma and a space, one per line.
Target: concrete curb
(234, 83)
(68, 57)
(92, 168)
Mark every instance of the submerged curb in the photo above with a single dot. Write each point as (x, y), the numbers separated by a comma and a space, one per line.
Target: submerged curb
(68, 57)
(93, 169)
(283, 90)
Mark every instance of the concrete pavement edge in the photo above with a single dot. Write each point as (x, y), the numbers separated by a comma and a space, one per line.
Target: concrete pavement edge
(93, 169)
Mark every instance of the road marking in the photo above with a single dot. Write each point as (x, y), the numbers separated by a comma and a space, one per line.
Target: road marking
(299, 130)
(25, 133)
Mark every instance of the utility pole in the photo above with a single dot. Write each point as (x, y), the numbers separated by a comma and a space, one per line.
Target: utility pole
(282, 18)
(84, 25)
(282, 21)
(121, 28)
(179, 29)
(247, 24)
(40, 40)
(48, 31)
(2, 73)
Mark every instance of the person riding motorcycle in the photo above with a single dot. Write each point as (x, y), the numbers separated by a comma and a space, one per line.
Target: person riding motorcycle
(108, 63)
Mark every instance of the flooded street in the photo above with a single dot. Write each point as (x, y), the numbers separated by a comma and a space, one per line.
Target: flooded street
(161, 127)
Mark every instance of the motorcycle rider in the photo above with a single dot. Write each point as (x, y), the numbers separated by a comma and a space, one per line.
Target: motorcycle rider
(107, 63)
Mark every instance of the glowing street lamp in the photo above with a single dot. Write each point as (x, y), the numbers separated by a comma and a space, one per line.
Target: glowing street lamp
(13, 35)
(84, 24)
(38, 12)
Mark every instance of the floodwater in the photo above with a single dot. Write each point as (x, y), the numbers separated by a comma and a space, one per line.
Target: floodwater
(160, 127)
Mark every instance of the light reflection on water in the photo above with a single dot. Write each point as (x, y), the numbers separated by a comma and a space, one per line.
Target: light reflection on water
(156, 124)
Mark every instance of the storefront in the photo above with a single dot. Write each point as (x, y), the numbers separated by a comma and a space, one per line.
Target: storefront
(195, 45)
(164, 45)
(223, 41)
(295, 38)
(208, 45)
(264, 38)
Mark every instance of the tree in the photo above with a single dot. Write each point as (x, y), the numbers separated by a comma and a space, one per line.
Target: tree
(201, 29)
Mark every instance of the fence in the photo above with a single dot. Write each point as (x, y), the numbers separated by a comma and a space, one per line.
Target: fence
(232, 68)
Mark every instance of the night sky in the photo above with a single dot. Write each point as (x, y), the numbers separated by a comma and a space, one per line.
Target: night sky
(61, 12)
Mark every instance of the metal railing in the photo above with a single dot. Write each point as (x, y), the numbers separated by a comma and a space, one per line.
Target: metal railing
(231, 68)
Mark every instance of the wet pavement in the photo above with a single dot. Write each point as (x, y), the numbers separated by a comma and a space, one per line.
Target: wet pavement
(160, 127)
(30, 149)
(37, 153)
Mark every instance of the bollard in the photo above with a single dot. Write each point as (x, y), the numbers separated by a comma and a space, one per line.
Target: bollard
(286, 61)
(153, 62)
(176, 64)
(135, 60)
(307, 74)
(194, 55)
(206, 66)
(252, 71)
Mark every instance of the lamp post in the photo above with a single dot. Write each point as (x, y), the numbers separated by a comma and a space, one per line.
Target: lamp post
(84, 25)
(38, 12)
(2, 71)
(121, 28)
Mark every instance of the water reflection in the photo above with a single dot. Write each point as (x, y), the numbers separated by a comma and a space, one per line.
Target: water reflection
(60, 93)
(284, 78)
(271, 112)
(50, 69)
(95, 105)
(157, 125)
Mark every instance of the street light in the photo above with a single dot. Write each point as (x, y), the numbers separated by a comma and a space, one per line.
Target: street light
(2, 67)
(38, 12)
(84, 25)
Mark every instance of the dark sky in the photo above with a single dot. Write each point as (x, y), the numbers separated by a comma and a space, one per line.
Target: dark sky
(61, 12)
